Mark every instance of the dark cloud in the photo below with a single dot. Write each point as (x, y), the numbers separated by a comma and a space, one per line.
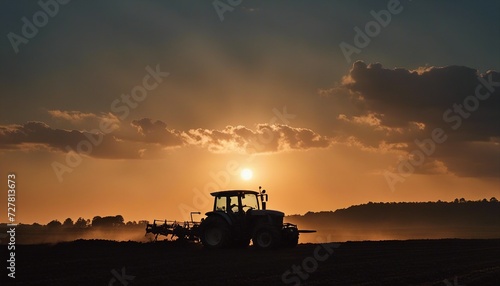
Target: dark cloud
(97, 145)
(34, 132)
(150, 131)
(150, 137)
(146, 125)
(400, 105)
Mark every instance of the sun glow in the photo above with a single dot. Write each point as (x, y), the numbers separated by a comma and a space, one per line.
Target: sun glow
(246, 174)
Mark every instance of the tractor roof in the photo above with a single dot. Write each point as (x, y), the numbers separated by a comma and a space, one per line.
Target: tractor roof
(234, 193)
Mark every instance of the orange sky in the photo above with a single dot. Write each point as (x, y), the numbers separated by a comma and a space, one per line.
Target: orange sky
(165, 103)
(297, 182)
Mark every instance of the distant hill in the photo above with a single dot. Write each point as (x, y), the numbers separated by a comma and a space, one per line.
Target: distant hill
(458, 219)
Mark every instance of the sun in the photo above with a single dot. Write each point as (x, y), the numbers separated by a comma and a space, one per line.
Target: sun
(246, 174)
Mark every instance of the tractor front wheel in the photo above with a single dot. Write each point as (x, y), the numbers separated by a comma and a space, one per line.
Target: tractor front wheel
(214, 233)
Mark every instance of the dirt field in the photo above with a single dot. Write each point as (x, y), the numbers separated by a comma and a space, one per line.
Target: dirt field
(412, 262)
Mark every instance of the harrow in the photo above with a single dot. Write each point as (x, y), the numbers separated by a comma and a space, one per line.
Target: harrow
(187, 230)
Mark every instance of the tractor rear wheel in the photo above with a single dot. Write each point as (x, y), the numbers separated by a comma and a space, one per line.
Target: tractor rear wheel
(265, 237)
(214, 233)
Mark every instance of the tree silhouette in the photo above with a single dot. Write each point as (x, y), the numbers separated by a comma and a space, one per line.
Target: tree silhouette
(119, 220)
(53, 224)
(68, 222)
(96, 220)
(108, 221)
(81, 223)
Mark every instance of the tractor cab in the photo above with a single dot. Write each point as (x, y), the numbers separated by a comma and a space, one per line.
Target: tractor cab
(235, 201)
(239, 201)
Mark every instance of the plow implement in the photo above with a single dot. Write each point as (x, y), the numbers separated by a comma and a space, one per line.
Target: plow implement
(187, 230)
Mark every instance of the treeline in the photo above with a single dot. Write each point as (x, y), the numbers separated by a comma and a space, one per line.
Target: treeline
(107, 227)
(459, 218)
(460, 212)
(97, 221)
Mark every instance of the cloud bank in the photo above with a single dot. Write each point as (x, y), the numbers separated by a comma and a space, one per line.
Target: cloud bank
(394, 110)
(399, 106)
(147, 134)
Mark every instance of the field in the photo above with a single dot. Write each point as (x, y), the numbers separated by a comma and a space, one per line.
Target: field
(410, 262)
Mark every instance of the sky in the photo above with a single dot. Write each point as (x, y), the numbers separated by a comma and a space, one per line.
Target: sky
(142, 108)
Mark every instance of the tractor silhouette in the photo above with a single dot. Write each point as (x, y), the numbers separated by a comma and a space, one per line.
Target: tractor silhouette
(238, 216)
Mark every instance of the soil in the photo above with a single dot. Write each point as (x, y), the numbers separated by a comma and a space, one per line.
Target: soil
(410, 262)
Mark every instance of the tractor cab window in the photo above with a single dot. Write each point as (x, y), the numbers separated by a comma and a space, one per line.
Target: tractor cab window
(233, 204)
(220, 204)
(249, 201)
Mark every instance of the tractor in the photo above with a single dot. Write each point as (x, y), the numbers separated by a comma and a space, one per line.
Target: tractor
(238, 216)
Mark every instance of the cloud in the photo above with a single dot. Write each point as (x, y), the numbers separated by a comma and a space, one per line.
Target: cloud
(35, 133)
(71, 115)
(78, 118)
(147, 138)
(150, 131)
(265, 138)
(400, 105)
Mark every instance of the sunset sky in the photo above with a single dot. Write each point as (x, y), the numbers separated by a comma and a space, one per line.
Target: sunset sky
(142, 108)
